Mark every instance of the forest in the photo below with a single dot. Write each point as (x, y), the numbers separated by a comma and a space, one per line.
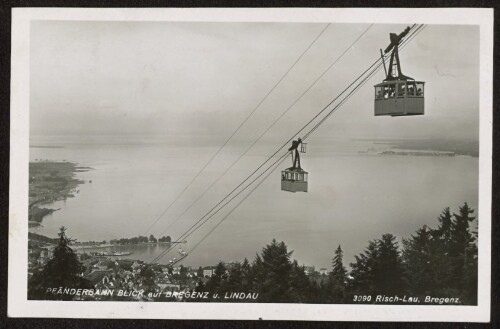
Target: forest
(439, 262)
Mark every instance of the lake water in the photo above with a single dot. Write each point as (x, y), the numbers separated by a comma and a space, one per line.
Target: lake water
(353, 197)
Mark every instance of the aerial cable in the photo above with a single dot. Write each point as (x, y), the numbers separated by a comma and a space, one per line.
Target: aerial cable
(368, 77)
(187, 233)
(350, 94)
(237, 205)
(236, 130)
(193, 227)
(377, 66)
(267, 129)
(362, 83)
(265, 177)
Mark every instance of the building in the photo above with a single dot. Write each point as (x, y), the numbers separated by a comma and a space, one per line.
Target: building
(323, 271)
(172, 287)
(163, 283)
(208, 271)
(45, 255)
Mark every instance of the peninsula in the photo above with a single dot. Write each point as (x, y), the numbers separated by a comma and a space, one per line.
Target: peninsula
(50, 181)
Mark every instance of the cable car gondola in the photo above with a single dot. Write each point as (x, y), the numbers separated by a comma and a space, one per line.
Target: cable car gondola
(294, 179)
(398, 94)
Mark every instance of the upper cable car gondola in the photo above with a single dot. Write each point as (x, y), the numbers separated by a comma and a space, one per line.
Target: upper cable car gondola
(398, 94)
(294, 179)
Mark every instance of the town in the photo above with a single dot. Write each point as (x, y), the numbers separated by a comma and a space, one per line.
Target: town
(136, 279)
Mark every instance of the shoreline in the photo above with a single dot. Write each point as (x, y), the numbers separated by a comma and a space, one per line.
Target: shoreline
(49, 182)
(80, 247)
(432, 145)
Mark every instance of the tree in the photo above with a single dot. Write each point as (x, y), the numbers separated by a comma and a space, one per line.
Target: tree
(147, 275)
(274, 273)
(246, 280)
(303, 289)
(443, 231)
(380, 269)
(277, 279)
(441, 255)
(419, 257)
(216, 281)
(199, 285)
(463, 251)
(199, 273)
(234, 280)
(338, 277)
(183, 278)
(389, 272)
(361, 271)
(165, 239)
(152, 239)
(62, 270)
(444, 261)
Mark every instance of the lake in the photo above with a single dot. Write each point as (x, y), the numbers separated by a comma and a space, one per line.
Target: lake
(353, 197)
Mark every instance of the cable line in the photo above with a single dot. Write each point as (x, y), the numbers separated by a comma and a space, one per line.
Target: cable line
(372, 69)
(375, 70)
(267, 129)
(237, 205)
(193, 227)
(237, 129)
(283, 158)
(361, 84)
(187, 233)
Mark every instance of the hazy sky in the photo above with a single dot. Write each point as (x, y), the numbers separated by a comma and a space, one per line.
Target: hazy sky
(202, 79)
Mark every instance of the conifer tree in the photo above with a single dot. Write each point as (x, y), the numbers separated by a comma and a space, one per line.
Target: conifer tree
(147, 275)
(380, 269)
(362, 271)
(303, 289)
(463, 251)
(246, 278)
(338, 277)
(445, 224)
(234, 279)
(275, 273)
(389, 271)
(419, 255)
(441, 255)
(256, 274)
(216, 282)
(62, 270)
(444, 261)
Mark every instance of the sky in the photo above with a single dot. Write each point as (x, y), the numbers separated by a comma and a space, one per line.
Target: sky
(198, 81)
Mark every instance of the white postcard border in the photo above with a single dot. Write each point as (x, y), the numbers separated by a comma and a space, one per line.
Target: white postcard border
(19, 306)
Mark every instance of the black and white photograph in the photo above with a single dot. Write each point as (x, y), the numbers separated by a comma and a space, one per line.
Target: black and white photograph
(272, 163)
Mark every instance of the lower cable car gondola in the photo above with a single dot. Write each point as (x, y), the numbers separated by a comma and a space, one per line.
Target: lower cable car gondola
(398, 95)
(294, 179)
